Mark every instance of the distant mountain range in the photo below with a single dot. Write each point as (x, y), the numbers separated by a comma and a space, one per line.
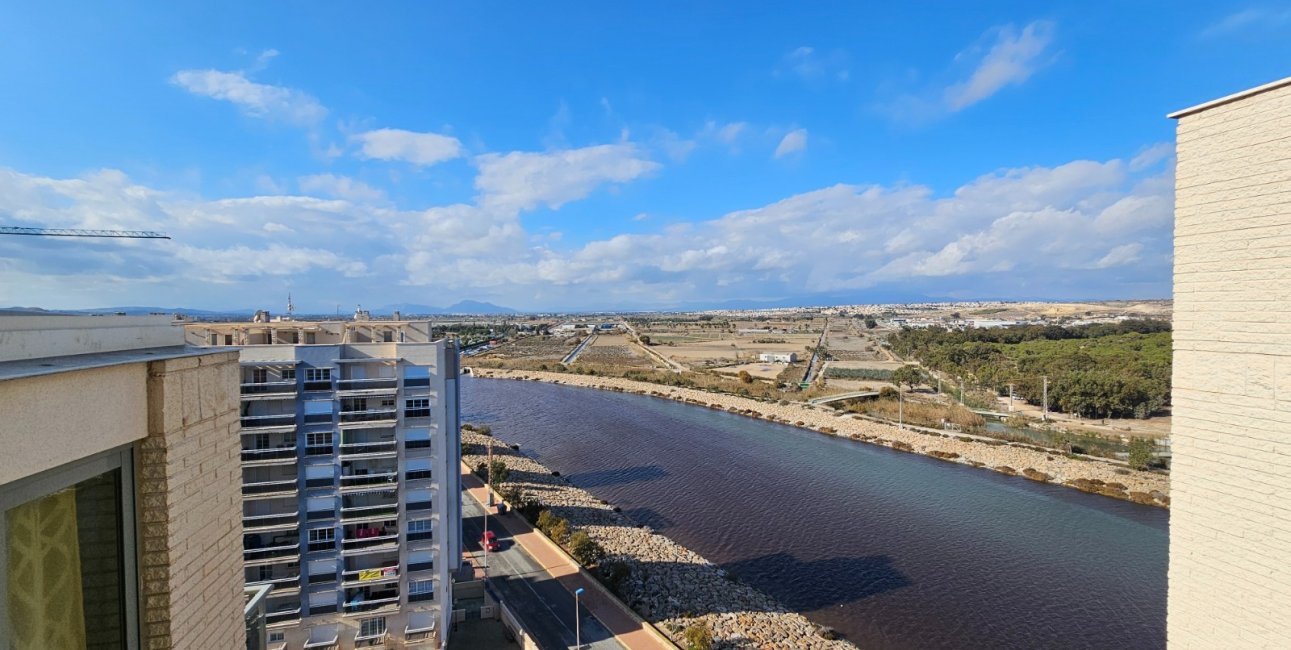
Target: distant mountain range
(461, 307)
(128, 311)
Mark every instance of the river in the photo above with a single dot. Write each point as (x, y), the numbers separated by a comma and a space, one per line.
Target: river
(893, 550)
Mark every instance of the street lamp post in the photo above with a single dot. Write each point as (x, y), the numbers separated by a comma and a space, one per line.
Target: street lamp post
(578, 630)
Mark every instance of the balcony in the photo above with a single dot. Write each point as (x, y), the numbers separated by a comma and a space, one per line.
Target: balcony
(283, 455)
(421, 566)
(267, 423)
(259, 523)
(379, 385)
(418, 412)
(270, 390)
(384, 416)
(417, 475)
(420, 505)
(416, 382)
(416, 444)
(421, 536)
(369, 512)
(266, 489)
(423, 596)
(368, 449)
(281, 585)
(283, 613)
(370, 539)
(279, 548)
(369, 600)
(374, 575)
(318, 384)
(353, 481)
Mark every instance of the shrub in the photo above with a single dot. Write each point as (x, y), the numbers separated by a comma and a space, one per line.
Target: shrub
(585, 549)
(745, 377)
(1141, 453)
(698, 637)
(559, 531)
(614, 574)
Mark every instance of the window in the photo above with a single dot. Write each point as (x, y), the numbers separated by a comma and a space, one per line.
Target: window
(289, 374)
(318, 374)
(387, 403)
(387, 336)
(323, 439)
(309, 338)
(260, 441)
(322, 539)
(419, 526)
(228, 339)
(277, 637)
(81, 515)
(259, 375)
(417, 408)
(421, 586)
(372, 626)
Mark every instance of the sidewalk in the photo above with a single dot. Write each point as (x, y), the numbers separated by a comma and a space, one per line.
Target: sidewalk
(626, 626)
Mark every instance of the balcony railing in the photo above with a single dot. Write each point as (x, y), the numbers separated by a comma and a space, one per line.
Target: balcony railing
(318, 418)
(275, 453)
(361, 604)
(417, 413)
(320, 482)
(365, 480)
(421, 535)
(375, 574)
(283, 615)
(421, 566)
(318, 450)
(321, 384)
(269, 487)
(263, 421)
(268, 521)
(279, 584)
(421, 505)
(370, 543)
(417, 475)
(416, 382)
(327, 545)
(416, 444)
(270, 388)
(271, 552)
(425, 595)
(380, 383)
(371, 415)
(316, 515)
(358, 448)
(369, 512)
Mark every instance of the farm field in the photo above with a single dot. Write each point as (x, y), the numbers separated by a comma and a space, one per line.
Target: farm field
(615, 350)
(533, 348)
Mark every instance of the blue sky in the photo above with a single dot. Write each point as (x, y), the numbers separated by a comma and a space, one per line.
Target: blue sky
(587, 156)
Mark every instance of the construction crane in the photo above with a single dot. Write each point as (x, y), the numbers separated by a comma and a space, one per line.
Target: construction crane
(77, 232)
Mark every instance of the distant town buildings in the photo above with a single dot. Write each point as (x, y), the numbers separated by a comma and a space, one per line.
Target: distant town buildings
(350, 478)
(1230, 520)
(120, 491)
(778, 357)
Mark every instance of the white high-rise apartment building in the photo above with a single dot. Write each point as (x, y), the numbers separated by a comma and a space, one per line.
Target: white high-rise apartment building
(350, 478)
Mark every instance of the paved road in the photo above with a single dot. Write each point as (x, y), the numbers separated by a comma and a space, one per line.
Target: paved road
(543, 606)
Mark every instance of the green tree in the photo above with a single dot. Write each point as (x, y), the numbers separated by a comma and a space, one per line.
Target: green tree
(585, 549)
(1141, 452)
(645, 340)
(909, 375)
(870, 323)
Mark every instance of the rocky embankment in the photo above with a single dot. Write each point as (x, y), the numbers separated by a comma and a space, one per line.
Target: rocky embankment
(1035, 463)
(668, 584)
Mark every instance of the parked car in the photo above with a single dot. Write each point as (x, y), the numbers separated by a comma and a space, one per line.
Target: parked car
(490, 541)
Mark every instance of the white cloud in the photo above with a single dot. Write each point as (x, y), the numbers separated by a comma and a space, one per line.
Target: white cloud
(341, 187)
(409, 146)
(254, 99)
(1248, 20)
(809, 65)
(1012, 59)
(523, 180)
(793, 142)
(1073, 230)
(1151, 156)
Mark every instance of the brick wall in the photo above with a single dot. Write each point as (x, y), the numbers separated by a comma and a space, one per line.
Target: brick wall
(1230, 522)
(189, 501)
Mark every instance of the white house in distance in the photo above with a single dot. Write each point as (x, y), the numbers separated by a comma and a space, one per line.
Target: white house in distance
(778, 357)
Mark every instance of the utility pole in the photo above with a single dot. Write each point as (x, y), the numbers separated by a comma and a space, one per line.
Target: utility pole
(488, 489)
(1045, 417)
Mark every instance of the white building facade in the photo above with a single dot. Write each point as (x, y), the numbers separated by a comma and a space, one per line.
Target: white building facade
(350, 478)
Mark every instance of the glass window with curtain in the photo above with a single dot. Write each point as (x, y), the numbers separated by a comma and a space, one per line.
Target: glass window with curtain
(64, 568)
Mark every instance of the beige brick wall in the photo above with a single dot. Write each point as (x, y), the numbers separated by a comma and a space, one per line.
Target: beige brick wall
(190, 506)
(1230, 521)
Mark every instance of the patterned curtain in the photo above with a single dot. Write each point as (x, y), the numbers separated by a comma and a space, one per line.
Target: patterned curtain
(45, 608)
